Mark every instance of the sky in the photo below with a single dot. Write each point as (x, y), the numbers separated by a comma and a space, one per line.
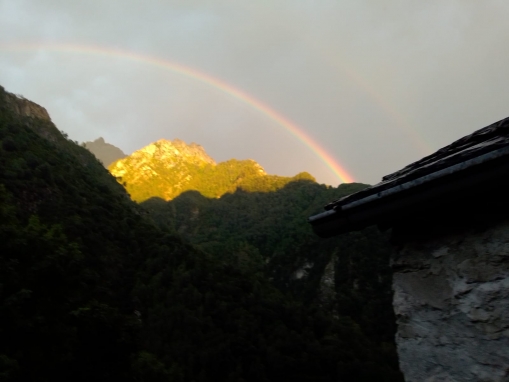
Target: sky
(343, 89)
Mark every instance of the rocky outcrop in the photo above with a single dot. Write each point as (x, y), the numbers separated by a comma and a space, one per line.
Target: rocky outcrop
(166, 169)
(303, 271)
(451, 299)
(163, 168)
(327, 292)
(32, 115)
(170, 153)
(25, 108)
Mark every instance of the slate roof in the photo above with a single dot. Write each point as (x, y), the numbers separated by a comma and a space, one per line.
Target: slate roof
(467, 156)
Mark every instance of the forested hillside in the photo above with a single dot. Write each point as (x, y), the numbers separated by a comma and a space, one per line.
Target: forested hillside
(267, 233)
(92, 290)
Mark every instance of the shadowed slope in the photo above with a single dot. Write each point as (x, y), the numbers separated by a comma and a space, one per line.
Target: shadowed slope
(91, 290)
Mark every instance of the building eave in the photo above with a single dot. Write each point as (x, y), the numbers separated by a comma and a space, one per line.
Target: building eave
(467, 180)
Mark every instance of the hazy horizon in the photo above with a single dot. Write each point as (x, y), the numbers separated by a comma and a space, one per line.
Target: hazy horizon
(375, 85)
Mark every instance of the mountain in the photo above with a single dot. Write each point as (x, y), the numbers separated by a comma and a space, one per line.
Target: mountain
(256, 222)
(165, 169)
(66, 276)
(92, 289)
(105, 152)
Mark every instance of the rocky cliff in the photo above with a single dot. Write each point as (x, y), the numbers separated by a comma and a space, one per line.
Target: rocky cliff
(25, 108)
(31, 115)
(165, 169)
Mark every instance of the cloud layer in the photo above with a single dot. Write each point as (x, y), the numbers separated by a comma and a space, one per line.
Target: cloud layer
(376, 84)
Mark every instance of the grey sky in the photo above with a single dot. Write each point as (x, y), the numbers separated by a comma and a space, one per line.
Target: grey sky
(378, 84)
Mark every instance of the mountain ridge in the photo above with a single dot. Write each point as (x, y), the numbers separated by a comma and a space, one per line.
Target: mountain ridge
(105, 152)
(168, 168)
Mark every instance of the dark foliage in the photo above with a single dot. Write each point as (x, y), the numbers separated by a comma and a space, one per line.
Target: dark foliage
(90, 289)
(266, 233)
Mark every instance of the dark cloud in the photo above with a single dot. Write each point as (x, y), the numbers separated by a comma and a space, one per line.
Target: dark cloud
(377, 84)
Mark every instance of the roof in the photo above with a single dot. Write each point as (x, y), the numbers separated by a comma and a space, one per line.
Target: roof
(464, 165)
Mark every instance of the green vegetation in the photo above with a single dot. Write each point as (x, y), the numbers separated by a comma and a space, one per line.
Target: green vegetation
(157, 171)
(267, 233)
(92, 289)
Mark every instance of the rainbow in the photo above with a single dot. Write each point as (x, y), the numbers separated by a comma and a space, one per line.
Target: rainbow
(338, 170)
(401, 123)
(328, 52)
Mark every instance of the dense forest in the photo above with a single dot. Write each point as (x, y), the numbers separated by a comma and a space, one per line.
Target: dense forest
(96, 287)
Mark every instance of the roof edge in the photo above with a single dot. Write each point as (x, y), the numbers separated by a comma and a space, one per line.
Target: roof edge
(467, 177)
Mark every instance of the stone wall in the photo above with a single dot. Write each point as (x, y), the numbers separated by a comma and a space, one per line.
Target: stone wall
(451, 299)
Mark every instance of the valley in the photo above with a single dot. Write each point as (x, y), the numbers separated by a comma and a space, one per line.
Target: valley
(172, 267)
